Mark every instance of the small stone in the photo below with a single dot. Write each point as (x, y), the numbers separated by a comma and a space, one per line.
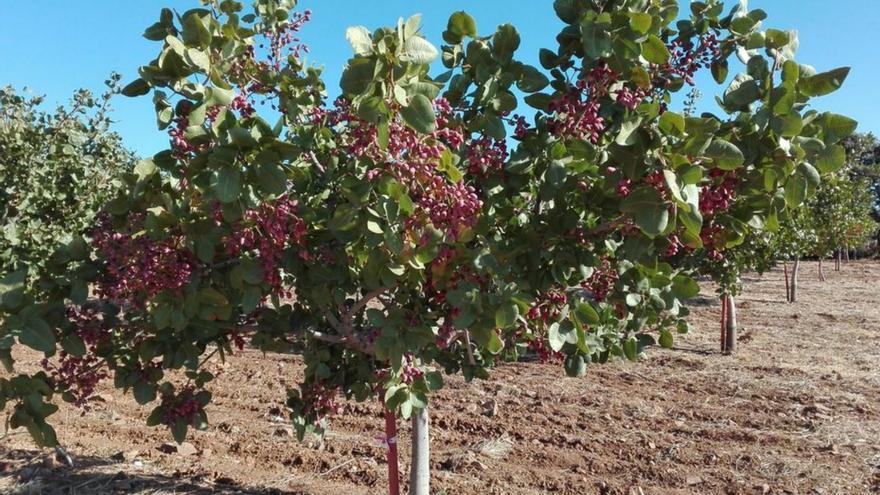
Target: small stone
(184, 449)
(187, 449)
(693, 480)
(762, 489)
(490, 408)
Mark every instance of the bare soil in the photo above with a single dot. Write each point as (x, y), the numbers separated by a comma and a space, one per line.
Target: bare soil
(796, 411)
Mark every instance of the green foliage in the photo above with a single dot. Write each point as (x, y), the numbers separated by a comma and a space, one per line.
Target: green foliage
(381, 239)
(58, 170)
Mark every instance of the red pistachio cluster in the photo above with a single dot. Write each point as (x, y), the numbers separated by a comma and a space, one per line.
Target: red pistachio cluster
(713, 241)
(138, 267)
(548, 306)
(602, 281)
(320, 401)
(485, 156)
(718, 196)
(184, 405)
(269, 230)
(688, 57)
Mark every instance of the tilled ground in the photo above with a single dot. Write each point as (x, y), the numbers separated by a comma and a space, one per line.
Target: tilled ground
(796, 411)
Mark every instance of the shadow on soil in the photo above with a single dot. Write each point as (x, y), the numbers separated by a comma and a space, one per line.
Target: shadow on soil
(29, 472)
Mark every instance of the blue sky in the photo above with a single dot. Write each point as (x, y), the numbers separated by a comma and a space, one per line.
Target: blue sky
(56, 46)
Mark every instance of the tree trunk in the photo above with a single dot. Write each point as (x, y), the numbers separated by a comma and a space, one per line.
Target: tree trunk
(787, 288)
(794, 280)
(846, 254)
(730, 347)
(821, 271)
(391, 442)
(837, 262)
(420, 465)
(723, 323)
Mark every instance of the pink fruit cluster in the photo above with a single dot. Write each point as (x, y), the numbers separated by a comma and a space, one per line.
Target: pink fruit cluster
(138, 267)
(602, 281)
(412, 159)
(718, 196)
(269, 230)
(713, 241)
(576, 115)
(287, 37)
(624, 187)
(409, 372)
(687, 57)
(184, 405)
(675, 245)
(320, 401)
(656, 180)
(548, 306)
(485, 156)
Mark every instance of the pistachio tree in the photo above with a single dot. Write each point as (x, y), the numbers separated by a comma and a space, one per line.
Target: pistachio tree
(417, 226)
(58, 169)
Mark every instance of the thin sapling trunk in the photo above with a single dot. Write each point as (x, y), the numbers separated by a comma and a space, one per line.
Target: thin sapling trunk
(794, 280)
(730, 347)
(420, 465)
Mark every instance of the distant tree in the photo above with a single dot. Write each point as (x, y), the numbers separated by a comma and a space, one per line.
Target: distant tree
(57, 169)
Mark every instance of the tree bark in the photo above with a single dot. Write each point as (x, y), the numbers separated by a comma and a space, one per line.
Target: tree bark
(837, 262)
(393, 463)
(794, 280)
(420, 465)
(730, 347)
(846, 254)
(821, 271)
(723, 323)
(787, 287)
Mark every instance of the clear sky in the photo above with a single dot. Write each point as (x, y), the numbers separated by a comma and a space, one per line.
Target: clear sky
(56, 46)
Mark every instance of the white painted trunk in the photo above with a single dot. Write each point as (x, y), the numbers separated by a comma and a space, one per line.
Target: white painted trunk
(420, 462)
(794, 280)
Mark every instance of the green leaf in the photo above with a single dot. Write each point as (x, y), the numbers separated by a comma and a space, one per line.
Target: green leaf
(419, 114)
(720, 70)
(824, 83)
(138, 87)
(587, 314)
(461, 24)
(357, 76)
(505, 42)
(555, 338)
(684, 287)
(655, 51)
(831, 159)
(419, 51)
(647, 209)
(672, 124)
(360, 39)
(144, 392)
(836, 127)
(796, 190)
(505, 316)
(667, 341)
(145, 168)
(38, 335)
(640, 22)
(495, 344)
(532, 80)
(178, 430)
(596, 39)
(74, 345)
(724, 154)
(227, 184)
